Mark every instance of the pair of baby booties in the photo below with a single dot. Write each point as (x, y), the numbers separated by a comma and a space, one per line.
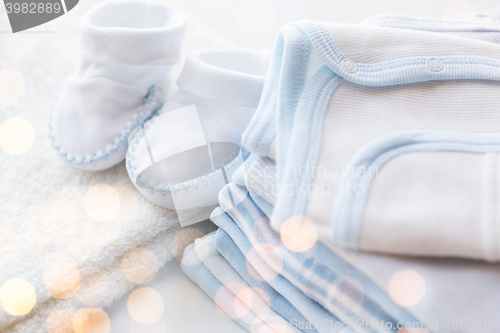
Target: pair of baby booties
(112, 107)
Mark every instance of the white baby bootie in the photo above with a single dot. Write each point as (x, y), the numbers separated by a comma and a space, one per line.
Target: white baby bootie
(127, 48)
(185, 156)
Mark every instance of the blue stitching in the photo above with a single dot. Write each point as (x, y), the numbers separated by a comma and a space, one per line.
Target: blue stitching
(397, 70)
(204, 180)
(142, 115)
(212, 176)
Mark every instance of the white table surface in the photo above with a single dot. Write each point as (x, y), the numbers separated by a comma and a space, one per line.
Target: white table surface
(187, 309)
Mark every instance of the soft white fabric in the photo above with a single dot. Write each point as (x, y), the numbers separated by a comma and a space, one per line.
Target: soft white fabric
(99, 286)
(435, 203)
(452, 288)
(224, 87)
(126, 50)
(58, 230)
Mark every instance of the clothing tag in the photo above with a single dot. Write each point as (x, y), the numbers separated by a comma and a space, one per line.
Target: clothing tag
(184, 162)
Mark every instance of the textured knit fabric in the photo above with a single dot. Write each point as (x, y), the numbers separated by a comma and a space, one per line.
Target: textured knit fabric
(340, 289)
(58, 246)
(257, 300)
(229, 303)
(342, 103)
(262, 280)
(126, 50)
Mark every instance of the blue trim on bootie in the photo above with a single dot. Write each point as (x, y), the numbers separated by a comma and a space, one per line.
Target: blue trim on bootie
(142, 115)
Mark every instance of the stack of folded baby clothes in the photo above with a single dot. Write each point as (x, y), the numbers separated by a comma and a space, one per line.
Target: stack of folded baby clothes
(354, 188)
(368, 202)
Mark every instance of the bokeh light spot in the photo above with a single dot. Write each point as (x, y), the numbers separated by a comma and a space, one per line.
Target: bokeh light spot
(94, 286)
(60, 217)
(264, 262)
(91, 321)
(231, 306)
(62, 279)
(12, 86)
(17, 297)
(140, 265)
(221, 311)
(406, 288)
(17, 135)
(145, 305)
(101, 202)
(183, 239)
(254, 298)
(60, 321)
(299, 233)
(128, 204)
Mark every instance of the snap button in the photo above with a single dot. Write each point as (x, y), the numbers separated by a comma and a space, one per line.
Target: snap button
(434, 69)
(349, 66)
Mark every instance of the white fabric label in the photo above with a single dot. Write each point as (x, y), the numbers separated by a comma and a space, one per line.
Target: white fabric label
(174, 132)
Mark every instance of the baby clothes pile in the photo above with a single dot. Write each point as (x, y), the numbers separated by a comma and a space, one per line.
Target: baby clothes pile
(318, 163)
(368, 202)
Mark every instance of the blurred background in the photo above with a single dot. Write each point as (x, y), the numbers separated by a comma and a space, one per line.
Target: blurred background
(254, 23)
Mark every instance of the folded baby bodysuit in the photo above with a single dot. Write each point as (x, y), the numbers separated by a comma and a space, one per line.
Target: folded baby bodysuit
(386, 138)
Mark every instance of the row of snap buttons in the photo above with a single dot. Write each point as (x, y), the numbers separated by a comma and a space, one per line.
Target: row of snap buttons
(351, 67)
